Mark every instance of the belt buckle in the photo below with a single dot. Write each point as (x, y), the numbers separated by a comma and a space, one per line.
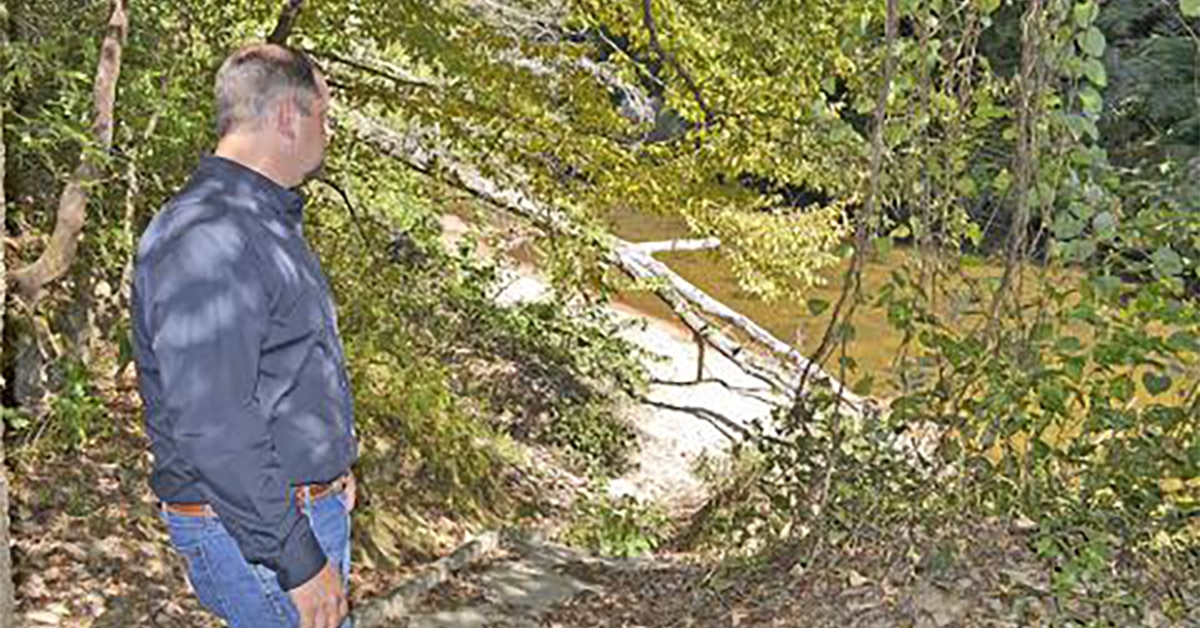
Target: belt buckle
(313, 492)
(188, 509)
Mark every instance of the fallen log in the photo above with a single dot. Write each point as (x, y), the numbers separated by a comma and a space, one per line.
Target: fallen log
(675, 246)
(758, 366)
(691, 304)
(395, 606)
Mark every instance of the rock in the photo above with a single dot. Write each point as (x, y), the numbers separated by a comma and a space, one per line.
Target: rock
(44, 617)
(530, 585)
(471, 617)
(939, 607)
(856, 580)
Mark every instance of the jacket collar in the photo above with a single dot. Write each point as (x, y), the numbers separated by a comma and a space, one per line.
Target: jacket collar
(287, 203)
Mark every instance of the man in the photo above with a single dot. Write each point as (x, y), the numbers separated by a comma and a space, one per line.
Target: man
(241, 369)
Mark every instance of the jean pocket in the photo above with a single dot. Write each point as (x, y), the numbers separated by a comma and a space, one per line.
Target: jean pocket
(343, 498)
(187, 531)
(202, 578)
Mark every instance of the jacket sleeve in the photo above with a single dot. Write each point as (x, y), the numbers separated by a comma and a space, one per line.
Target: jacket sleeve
(210, 319)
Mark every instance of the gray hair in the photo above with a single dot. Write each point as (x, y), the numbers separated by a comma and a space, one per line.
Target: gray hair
(252, 79)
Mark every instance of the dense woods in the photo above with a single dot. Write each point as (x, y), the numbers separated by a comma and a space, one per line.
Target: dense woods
(1023, 177)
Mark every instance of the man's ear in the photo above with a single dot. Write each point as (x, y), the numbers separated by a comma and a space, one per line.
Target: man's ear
(287, 118)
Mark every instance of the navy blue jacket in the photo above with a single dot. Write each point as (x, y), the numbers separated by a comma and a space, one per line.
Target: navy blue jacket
(240, 367)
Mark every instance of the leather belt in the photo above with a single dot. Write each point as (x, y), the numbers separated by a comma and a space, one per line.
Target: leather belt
(311, 492)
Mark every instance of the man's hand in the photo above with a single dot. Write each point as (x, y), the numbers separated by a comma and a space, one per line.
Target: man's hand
(321, 601)
(351, 493)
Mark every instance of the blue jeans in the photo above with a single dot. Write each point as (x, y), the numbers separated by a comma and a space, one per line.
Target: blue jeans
(245, 595)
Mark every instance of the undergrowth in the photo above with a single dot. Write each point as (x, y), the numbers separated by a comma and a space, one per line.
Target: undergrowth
(443, 373)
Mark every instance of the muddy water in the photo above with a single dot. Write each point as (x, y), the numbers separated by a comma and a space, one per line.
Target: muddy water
(876, 343)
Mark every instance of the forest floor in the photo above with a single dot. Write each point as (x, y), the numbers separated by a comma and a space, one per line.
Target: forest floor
(90, 551)
(963, 574)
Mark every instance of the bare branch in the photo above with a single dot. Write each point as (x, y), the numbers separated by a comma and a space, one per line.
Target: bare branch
(674, 246)
(1025, 164)
(287, 20)
(376, 68)
(648, 19)
(72, 207)
(847, 302)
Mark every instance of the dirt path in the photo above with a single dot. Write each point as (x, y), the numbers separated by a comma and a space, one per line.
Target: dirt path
(680, 418)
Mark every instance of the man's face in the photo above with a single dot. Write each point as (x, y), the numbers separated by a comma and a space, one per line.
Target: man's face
(313, 136)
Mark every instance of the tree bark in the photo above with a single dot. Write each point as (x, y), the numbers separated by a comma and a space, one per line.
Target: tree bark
(54, 262)
(394, 606)
(7, 620)
(1025, 162)
(287, 20)
(677, 246)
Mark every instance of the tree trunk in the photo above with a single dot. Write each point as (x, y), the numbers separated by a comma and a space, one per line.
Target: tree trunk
(1026, 160)
(287, 20)
(6, 582)
(72, 207)
(676, 246)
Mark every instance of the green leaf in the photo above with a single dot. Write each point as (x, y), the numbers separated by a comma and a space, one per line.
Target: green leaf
(1107, 286)
(1085, 14)
(1104, 221)
(863, 386)
(975, 234)
(1091, 100)
(966, 186)
(1002, 181)
(1094, 70)
(1067, 227)
(1081, 125)
(817, 306)
(1074, 368)
(1069, 344)
(1121, 388)
(1190, 8)
(1089, 127)
(1080, 250)
(1167, 262)
(1092, 42)
(883, 246)
(1184, 341)
(1156, 384)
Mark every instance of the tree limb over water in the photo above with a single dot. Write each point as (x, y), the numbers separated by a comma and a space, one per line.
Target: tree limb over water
(781, 369)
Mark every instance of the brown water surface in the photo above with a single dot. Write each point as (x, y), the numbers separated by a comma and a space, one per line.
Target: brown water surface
(876, 342)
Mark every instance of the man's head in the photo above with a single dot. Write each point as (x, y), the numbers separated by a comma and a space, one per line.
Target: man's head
(272, 104)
